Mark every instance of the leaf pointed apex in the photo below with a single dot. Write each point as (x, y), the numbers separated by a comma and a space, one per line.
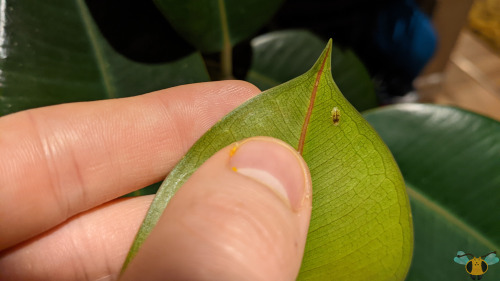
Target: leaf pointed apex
(324, 59)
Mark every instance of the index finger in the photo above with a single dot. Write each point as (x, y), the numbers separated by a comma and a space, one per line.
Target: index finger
(61, 160)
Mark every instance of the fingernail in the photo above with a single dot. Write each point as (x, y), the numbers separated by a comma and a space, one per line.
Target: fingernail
(274, 164)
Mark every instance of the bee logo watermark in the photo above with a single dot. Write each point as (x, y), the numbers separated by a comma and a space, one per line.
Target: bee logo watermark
(476, 267)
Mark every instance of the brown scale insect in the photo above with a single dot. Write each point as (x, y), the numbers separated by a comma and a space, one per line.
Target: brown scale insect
(335, 116)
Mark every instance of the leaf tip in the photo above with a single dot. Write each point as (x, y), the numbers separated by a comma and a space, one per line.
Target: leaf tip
(328, 49)
(324, 60)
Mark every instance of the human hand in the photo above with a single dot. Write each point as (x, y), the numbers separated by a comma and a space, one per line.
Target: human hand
(63, 166)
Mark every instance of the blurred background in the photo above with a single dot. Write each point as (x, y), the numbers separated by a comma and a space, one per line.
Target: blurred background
(432, 51)
(465, 70)
(388, 51)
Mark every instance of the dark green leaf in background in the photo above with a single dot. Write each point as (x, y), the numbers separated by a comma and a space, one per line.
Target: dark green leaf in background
(361, 224)
(280, 56)
(450, 160)
(212, 25)
(52, 52)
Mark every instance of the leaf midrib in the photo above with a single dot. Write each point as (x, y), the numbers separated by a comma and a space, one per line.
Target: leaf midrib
(98, 52)
(224, 24)
(226, 53)
(300, 147)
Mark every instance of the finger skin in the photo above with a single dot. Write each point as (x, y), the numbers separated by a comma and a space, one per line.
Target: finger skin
(61, 160)
(223, 225)
(89, 246)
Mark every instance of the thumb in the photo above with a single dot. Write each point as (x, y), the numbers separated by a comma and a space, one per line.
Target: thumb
(243, 215)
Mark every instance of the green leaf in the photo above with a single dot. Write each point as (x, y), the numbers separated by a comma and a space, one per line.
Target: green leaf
(52, 52)
(450, 159)
(212, 25)
(282, 55)
(361, 224)
(148, 190)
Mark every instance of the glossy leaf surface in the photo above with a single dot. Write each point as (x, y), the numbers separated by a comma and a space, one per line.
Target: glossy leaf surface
(211, 25)
(280, 56)
(450, 160)
(52, 52)
(361, 225)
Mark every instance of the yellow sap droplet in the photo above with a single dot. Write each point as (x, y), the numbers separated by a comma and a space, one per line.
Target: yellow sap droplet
(233, 150)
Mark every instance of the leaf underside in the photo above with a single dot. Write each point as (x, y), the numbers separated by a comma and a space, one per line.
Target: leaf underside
(361, 225)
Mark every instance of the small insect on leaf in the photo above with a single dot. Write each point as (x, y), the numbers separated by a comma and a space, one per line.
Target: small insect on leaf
(335, 116)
